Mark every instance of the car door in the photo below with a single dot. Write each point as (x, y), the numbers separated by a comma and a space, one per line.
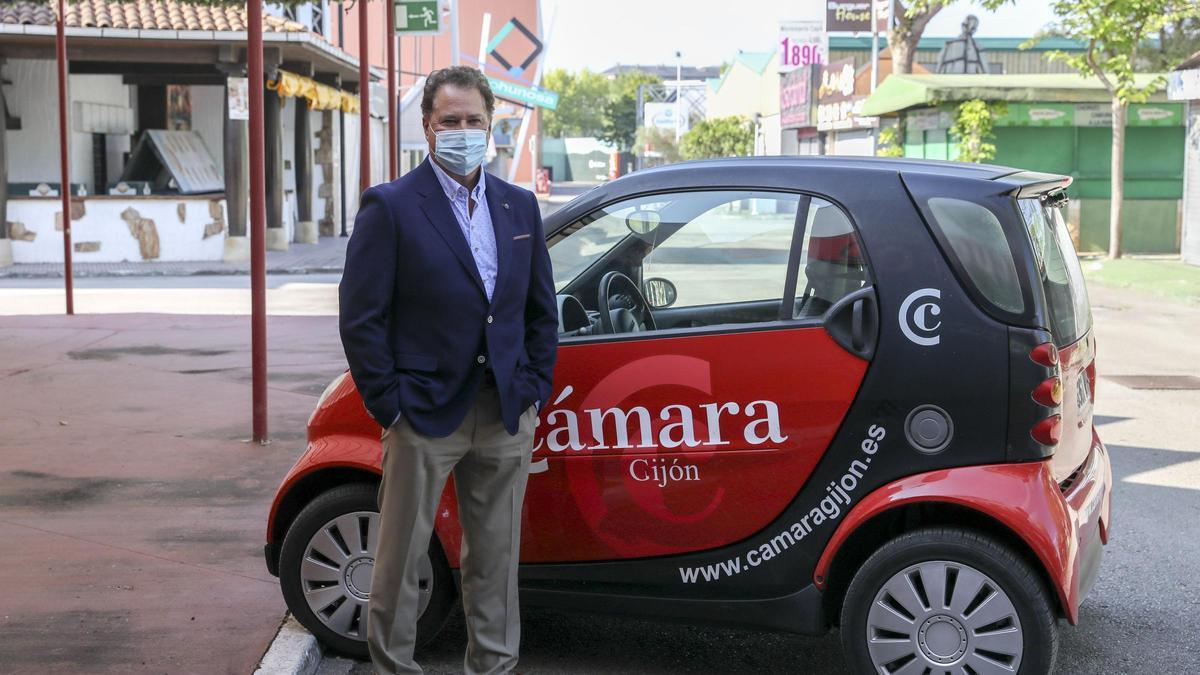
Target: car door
(698, 431)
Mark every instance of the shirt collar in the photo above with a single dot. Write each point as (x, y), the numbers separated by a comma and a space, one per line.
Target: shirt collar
(452, 187)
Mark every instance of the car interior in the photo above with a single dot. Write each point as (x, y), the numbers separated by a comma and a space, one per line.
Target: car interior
(611, 293)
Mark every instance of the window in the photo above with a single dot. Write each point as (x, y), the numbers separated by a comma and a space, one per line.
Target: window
(734, 252)
(706, 258)
(977, 241)
(1061, 277)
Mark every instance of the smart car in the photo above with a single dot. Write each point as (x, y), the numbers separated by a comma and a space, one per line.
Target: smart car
(791, 394)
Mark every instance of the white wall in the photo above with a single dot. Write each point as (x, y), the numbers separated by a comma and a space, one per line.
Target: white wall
(102, 222)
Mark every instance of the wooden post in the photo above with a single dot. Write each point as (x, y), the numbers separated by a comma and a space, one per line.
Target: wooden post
(273, 157)
(306, 229)
(258, 222)
(64, 189)
(364, 97)
(5, 247)
(236, 184)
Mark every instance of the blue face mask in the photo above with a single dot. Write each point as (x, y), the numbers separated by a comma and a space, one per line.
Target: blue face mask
(460, 150)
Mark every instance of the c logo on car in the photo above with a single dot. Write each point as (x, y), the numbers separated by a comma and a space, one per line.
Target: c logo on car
(917, 314)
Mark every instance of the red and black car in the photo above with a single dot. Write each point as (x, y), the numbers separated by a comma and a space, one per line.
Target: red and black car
(791, 393)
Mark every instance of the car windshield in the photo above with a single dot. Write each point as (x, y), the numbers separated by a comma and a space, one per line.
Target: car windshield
(1061, 277)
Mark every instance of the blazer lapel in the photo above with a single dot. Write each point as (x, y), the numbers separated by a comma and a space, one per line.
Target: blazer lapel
(501, 211)
(437, 209)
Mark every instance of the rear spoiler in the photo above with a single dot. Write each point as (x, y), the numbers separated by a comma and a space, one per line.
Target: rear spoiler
(1035, 184)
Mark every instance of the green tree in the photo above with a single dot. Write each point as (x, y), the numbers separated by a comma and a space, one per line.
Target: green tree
(973, 127)
(619, 123)
(1177, 40)
(910, 23)
(1116, 32)
(662, 141)
(891, 141)
(720, 137)
(580, 111)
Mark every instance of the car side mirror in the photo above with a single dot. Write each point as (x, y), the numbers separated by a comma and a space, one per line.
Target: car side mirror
(642, 222)
(659, 292)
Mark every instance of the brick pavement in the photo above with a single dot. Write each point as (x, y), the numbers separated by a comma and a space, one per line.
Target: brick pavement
(132, 508)
(328, 255)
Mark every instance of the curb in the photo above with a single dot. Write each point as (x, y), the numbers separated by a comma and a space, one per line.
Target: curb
(294, 651)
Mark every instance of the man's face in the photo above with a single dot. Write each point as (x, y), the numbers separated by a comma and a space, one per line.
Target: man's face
(455, 108)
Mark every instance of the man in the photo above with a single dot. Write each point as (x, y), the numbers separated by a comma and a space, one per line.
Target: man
(449, 322)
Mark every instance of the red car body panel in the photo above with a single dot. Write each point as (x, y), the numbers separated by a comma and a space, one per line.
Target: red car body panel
(1064, 530)
(596, 495)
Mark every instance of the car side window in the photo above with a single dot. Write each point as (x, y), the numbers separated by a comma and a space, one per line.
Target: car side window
(832, 265)
(734, 252)
(704, 258)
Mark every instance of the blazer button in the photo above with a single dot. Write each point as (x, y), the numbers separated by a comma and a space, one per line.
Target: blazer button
(490, 318)
(481, 359)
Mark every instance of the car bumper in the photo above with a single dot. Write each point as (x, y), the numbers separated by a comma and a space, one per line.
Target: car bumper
(1088, 499)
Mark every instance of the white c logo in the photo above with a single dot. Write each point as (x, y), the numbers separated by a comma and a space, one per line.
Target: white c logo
(916, 317)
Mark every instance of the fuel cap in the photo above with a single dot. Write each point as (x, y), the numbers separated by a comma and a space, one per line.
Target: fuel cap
(929, 429)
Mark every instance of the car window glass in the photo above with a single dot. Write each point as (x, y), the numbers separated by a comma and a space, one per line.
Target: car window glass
(736, 251)
(1061, 276)
(832, 264)
(977, 240)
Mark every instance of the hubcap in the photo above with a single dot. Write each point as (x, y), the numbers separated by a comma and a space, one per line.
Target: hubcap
(337, 569)
(944, 617)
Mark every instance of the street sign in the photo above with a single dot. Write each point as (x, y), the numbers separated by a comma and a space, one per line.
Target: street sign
(543, 98)
(802, 43)
(417, 18)
(854, 16)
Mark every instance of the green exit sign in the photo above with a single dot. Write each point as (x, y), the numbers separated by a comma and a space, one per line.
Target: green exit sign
(417, 18)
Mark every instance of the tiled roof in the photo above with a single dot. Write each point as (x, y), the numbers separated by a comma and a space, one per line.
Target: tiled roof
(144, 14)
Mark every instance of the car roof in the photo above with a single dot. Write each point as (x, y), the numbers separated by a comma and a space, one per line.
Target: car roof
(891, 164)
(766, 172)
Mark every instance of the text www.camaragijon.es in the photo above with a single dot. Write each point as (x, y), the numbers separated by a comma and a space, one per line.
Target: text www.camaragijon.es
(829, 509)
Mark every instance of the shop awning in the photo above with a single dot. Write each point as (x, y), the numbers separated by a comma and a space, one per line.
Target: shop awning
(899, 92)
(320, 96)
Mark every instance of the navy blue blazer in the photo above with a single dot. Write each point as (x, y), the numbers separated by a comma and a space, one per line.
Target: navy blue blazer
(415, 321)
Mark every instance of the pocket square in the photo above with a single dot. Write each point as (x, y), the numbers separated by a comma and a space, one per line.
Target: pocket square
(521, 236)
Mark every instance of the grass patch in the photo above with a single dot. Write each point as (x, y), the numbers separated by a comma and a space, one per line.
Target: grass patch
(1163, 278)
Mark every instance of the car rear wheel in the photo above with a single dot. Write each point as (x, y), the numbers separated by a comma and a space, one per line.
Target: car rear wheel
(945, 600)
(326, 564)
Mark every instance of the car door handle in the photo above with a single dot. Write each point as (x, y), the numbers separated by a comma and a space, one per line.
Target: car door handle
(853, 322)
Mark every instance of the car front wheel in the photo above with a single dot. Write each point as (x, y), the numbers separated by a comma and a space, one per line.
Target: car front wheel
(326, 565)
(946, 600)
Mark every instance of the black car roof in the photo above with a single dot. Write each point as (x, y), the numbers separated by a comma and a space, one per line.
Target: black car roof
(768, 172)
(936, 167)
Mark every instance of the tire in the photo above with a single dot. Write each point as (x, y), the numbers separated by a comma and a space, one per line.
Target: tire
(322, 578)
(893, 622)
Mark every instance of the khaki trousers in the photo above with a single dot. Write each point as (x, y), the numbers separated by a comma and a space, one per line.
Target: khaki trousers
(490, 469)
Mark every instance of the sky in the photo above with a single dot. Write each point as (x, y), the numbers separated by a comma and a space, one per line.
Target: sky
(598, 34)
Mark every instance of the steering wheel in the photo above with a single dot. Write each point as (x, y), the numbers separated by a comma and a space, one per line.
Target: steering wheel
(622, 319)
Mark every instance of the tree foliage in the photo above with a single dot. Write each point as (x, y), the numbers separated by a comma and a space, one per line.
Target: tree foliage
(657, 140)
(972, 126)
(721, 137)
(1177, 40)
(580, 111)
(891, 142)
(619, 124)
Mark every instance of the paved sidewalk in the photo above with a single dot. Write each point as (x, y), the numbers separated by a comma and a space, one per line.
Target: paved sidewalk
(132, 507)
(327, 255)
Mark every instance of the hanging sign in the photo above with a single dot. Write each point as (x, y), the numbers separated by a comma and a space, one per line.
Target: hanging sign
(239, 98)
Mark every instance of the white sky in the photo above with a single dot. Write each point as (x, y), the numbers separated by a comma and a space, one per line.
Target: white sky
(597, 34)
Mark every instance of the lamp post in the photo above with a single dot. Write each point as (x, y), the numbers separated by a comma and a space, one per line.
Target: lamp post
(678, 92)
(64, 188)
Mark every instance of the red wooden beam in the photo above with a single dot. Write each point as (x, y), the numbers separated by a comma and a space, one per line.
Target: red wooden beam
(364, 96)
(393, 117)
(258, 221)
(64, 189)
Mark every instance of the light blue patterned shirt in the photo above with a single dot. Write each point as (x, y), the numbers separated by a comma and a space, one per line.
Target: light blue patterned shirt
(476, 226)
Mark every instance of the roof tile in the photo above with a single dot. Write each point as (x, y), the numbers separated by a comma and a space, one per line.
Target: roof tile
(143, 14)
